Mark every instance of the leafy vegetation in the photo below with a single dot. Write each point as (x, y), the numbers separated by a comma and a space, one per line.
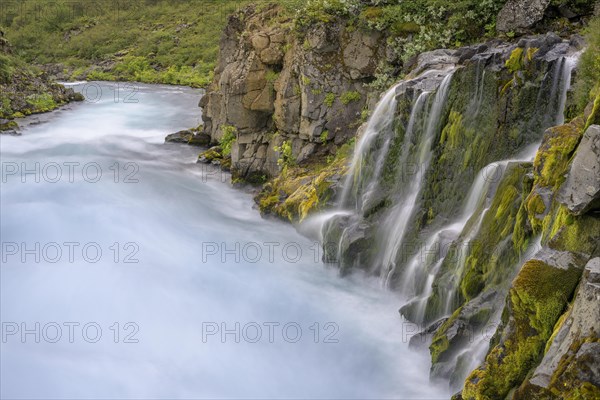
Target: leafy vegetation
(349, 97)
(229, 136)
(587, 86)
(167, 41)
(286, 156)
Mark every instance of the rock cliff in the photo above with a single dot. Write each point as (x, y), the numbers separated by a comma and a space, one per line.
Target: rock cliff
(274, 87)
(473, 187)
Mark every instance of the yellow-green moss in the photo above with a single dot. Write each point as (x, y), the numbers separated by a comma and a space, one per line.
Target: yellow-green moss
(554, 155)
(302, 189)
(566, 232)
(452, 129)
(536, 300)
(594, 117)
(565, 382)
(515, 61)
(439, 342)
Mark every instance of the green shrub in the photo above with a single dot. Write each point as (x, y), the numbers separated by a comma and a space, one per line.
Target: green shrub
(286, 157)
(329, 99)
(41, 102)
(348, 97)
(587, 85)
(229, 136)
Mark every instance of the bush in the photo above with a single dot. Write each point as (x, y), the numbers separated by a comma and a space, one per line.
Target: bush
(229, 136)
(286, 158)
(349, 97)
(587, 86)
(41, 102)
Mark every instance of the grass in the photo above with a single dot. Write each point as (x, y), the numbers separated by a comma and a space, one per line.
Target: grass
(172, 41)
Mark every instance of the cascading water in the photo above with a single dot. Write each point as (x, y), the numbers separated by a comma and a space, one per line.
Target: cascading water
(381, 212)
(380, 123)
(402, 213)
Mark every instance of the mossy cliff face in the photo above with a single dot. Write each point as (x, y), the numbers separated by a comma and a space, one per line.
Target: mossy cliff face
(501, 98)
(24, 90)
(280, 88)
(545, 348)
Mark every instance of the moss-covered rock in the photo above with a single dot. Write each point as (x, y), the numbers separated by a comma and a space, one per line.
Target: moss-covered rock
(535, 302)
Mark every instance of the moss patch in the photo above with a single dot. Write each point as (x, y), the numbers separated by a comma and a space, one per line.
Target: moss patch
(536, 302)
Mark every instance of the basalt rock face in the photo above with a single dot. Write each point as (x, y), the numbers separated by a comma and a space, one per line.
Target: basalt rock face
(581, 190)
(273, 87)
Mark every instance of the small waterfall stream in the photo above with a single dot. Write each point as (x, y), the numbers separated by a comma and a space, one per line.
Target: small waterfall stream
(366, 186)
(398, 221)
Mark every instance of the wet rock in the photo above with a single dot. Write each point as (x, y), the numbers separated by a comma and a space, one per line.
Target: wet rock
(422, 340)
(581, 191)
(199, 139)
(179, 137)
(518, 15)
(210, 155)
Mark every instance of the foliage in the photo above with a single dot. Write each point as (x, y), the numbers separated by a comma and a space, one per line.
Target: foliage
(348, 97)
(166, 41)
(286, 157)
(41, 102)
(587, 85)
(229, 136)
(418, 26)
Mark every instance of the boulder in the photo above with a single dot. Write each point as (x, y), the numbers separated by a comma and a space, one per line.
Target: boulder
(519, 15)
(575, 345)
(183, 136)
(581, 191)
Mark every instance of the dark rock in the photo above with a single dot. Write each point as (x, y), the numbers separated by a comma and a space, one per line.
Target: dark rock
(179, 137)
(200, 139)
(422, 339)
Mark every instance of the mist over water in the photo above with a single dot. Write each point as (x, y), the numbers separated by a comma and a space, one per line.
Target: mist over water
(153, 204)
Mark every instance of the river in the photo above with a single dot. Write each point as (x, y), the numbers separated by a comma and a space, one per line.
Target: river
(130, 271)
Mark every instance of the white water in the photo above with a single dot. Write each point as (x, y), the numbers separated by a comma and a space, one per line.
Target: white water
(380, 121)
(174, 208)
(400, 216)
(568, 64)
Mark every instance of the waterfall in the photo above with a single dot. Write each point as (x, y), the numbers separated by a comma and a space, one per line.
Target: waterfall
(567, 66)
(482, 188)
(379, 123)
(398, 221)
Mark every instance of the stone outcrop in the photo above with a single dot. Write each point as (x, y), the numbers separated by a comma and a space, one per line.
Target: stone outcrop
(275, 85)
(581, 191)
(572, 359)
(518, 15)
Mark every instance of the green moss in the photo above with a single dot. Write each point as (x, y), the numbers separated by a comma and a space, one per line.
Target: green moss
(566, 382)
(536, 205)
(329, 99)
(41, 102)
(451, 131)
(349, 97)
(439, 342)
(303, 189)
(537, 299)
(554, 155)
(567, 232)
(515, 61)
